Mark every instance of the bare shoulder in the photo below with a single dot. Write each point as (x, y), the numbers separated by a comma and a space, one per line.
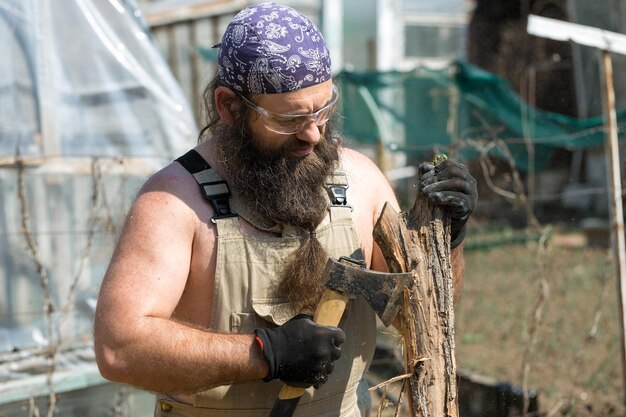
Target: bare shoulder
(367, 180)
(173, 192)
(368, 192)
(357, 162)
(155, 252)
(170, 211)
(172, 180)
(166, 213)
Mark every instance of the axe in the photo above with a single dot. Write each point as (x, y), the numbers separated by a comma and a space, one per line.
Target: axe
(348, 276)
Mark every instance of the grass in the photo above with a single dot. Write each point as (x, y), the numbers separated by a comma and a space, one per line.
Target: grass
(575, 359)
(574, 362)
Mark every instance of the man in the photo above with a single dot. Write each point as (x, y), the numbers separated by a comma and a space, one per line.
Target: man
(223, 248)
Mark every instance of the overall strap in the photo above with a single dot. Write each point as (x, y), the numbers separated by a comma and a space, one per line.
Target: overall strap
(337, 186)
(213, 187)
(215, 190)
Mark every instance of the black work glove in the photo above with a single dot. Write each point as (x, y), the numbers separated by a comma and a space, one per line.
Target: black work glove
(300, 352)
(449, 184)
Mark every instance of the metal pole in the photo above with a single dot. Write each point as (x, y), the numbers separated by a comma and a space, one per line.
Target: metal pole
(617, 214)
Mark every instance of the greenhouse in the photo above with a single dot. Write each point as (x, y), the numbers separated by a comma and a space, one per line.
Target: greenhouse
(88, 109)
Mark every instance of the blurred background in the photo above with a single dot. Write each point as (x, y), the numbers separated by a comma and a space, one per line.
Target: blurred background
(98, 94)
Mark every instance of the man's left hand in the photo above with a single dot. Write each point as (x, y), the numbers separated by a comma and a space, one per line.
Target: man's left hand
(449, 184)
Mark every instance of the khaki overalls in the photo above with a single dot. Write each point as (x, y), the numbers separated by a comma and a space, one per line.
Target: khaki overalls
(246, 271)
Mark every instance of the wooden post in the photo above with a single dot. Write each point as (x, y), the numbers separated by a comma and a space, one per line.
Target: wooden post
(606, 42)
(617, 213)
(194, 62)
(420, 242)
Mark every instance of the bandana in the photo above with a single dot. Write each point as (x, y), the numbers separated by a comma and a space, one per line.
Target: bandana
(269, 48)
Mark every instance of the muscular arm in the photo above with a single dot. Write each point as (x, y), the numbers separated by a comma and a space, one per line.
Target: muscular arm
(136, 339)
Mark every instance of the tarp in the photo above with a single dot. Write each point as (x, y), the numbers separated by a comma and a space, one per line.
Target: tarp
(85, 78)
(459, 107)
(90, 105)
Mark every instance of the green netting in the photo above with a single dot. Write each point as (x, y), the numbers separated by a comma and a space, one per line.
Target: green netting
(460, 108)
(208, 54)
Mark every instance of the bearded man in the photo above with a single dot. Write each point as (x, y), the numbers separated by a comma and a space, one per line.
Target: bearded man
(208, 296)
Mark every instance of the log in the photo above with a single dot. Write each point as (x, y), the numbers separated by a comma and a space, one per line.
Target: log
(419, 242)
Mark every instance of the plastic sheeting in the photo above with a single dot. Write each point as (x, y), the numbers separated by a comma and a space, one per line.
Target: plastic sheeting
(85, 78)
(92, 108)
(441, 7)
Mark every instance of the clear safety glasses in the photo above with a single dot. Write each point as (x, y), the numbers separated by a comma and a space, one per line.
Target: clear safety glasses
(289, 124)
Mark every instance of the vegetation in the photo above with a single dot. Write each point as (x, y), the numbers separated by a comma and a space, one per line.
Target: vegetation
(544, 317)
(564, 300)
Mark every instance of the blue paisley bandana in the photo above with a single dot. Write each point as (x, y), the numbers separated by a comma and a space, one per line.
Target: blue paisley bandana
(268, 48)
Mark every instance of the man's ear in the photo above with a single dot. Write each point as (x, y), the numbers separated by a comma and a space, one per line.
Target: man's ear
(226, 104)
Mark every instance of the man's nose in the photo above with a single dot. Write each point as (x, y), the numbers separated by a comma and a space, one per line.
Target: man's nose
(310, 133)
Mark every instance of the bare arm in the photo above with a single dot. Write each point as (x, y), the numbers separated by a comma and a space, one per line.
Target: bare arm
(369, 191)
(136, 339)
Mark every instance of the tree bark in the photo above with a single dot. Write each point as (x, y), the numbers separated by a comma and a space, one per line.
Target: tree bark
(419, 242)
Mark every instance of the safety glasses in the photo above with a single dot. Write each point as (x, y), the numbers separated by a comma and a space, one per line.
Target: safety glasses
(289, 124)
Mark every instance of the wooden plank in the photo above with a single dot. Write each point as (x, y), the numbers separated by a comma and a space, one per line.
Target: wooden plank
(176, 13)
(559, 30)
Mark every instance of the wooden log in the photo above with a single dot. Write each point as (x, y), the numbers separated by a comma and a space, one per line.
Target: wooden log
(420, 242)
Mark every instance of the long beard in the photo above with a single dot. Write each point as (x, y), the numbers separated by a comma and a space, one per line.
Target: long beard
(278, 187)
(288, 191)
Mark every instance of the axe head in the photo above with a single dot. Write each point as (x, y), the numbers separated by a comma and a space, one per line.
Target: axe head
(382, 290)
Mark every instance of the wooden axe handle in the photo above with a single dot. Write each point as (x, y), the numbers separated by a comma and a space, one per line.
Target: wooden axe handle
(328, 313)
(330, 309)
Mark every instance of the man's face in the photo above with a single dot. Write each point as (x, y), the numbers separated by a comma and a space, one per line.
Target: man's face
(284, 112)
(281, 176)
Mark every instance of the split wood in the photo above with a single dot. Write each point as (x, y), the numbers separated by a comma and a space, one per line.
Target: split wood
(419, 242)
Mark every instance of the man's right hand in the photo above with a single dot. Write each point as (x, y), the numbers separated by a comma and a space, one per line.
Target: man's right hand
(301, 353)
